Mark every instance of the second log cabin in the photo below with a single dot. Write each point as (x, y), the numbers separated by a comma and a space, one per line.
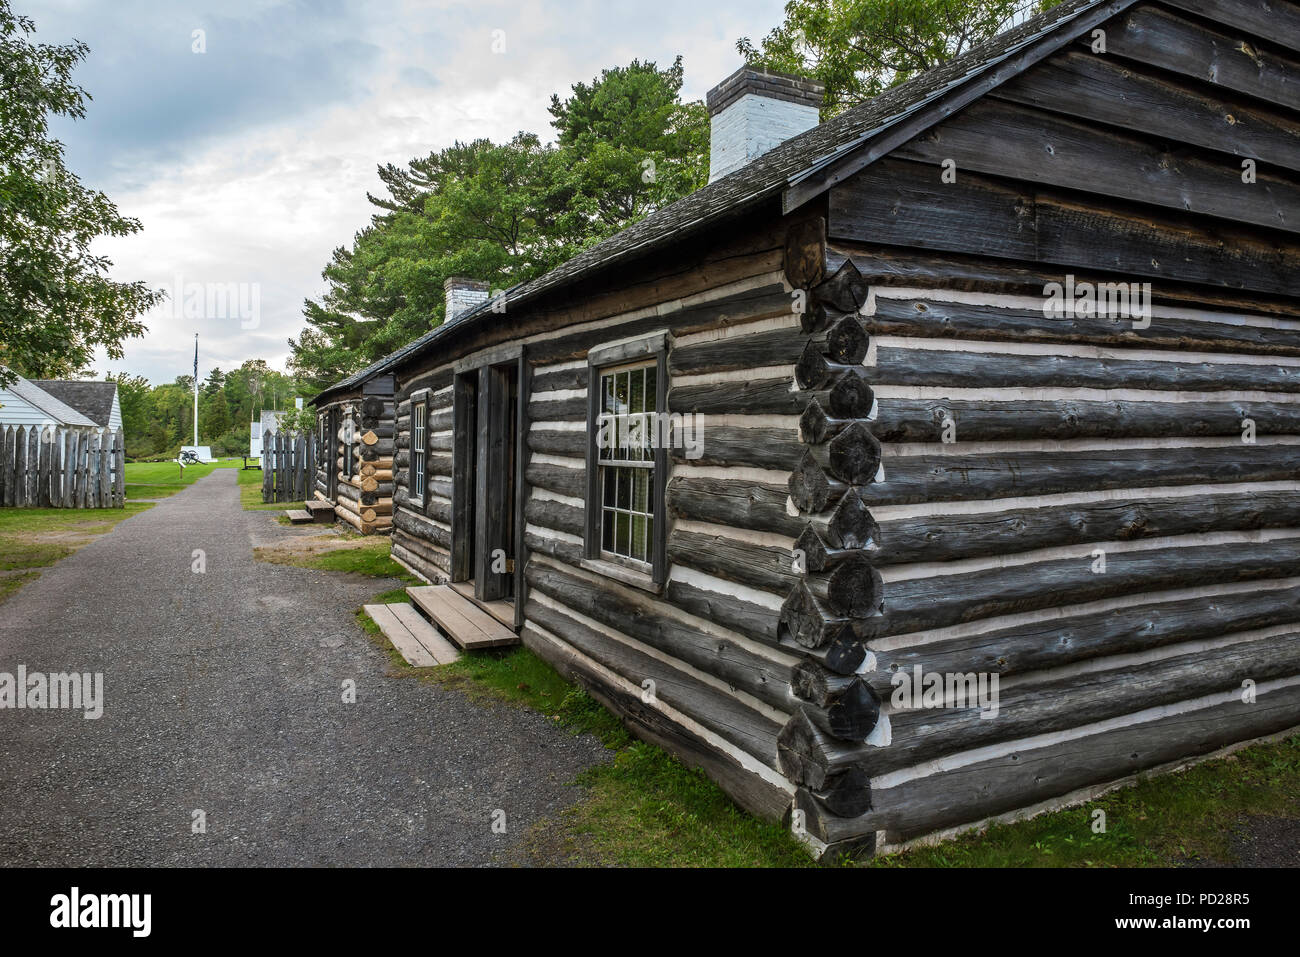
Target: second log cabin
(971, 485)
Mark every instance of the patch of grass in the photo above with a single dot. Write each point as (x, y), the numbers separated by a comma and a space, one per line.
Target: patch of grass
(647, 809)
(1161, 821)
(343, 552)
(250, 492)
(34, 538)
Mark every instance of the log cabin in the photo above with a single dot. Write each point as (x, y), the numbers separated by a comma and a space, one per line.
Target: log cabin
(355, 432)
(977, 492)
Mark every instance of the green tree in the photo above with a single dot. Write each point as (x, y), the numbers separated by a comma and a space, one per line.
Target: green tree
(632, 145)
(502, 213)
(57, 303)
(858, 48)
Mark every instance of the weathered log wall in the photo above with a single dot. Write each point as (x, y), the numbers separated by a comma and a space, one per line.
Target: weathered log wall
(907, 463)
(1101, 511)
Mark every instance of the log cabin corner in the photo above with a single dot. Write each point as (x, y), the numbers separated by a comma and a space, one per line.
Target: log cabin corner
(899, 436)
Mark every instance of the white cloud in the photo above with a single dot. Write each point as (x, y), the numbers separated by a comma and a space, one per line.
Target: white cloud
(262, 196)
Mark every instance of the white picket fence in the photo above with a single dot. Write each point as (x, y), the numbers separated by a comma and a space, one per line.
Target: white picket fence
(61, 468)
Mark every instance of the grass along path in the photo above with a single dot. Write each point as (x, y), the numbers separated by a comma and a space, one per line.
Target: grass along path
(35, 538)
(646, 809)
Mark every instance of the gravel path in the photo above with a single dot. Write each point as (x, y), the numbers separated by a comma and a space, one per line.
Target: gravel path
(223, 694)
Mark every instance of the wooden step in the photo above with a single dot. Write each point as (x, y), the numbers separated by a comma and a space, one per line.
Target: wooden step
(299, 516)
(443, 651)
(321, 512)
(466, 623)
(406, 643)
(502, 611)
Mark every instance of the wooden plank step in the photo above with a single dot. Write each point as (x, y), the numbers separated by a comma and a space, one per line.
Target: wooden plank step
(322, 512)
(443, 651)
(406, 643)
(468, 625)
(299, 516)
(502, 611)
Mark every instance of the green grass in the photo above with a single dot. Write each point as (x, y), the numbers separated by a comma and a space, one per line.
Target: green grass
(36, 538)
(162, 479)
(250, 492)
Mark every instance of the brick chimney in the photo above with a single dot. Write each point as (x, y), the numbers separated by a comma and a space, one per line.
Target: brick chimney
(462, 296)
(754, 110)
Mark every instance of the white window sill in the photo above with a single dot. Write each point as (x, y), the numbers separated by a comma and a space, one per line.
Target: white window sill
(623, 574)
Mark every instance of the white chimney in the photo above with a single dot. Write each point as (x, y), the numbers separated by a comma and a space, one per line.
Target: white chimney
(462, 296)
(752, 111)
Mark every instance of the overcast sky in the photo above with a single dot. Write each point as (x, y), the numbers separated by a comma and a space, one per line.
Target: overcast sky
(249, 163)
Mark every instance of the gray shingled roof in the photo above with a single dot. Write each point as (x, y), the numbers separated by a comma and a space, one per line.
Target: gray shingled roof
(94, 400)
(55, 408)
(772, 173)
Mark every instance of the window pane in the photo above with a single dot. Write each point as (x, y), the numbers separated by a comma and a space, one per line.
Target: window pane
(607, 393)
(652, 388)
(636, 394)
(638, 537)
(609, 498)
(607, 535)
(640, 490)
(622, 534)
(624, 488)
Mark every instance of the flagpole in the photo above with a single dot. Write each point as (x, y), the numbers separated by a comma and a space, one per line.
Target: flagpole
(196, 390)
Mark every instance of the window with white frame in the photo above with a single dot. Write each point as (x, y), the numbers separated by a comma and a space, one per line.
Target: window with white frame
(419, 449)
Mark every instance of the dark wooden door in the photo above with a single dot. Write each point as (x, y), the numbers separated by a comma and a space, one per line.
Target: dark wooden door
(496, 545)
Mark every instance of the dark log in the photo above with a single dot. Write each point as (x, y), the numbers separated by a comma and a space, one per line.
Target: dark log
(563, 442)
(559, 479)
(557, 410)
(1157, 38)
(420, 527)
(1056, 151)
(924, 420)
(818, 556)
(756, 621)
(713, 708)
(765, 448)
(1024, 529)
(808, 756)
(844, 832)
(752, 792)
(765, 568)
(808, 620)
(763, 508)
(1057, 642)
(639, 618)
(1022, 778)
(885, 266)
(547, 545)
(844, 291)
(853, 456)
(935, 319)
(556, 515)
(853, 590)
(925, 603)
(1041, 707)
(564, 380)
(1121, 94)
(904, 204)
(984, 370)
(805, 253)
(947, 478)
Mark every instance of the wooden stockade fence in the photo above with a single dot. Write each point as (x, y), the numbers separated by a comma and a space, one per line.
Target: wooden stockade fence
(61, 468)
(288, 466)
